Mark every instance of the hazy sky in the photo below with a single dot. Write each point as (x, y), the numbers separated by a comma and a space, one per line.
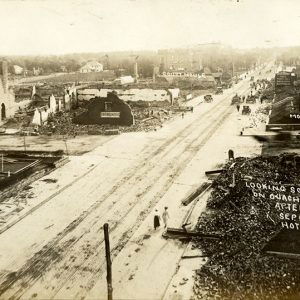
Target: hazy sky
(68, 26)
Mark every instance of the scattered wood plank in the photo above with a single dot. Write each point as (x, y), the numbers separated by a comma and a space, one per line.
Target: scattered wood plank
(146, 119)
(192, 256)
(284, 254)
(192, 196)
(184, 233)
(218, 171)
(112, 131)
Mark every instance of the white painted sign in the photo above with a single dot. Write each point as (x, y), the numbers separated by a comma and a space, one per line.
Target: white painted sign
(110, 114)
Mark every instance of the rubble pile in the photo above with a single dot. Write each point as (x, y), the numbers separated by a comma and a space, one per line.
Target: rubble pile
(236, 267)
(61, 124)
(267, 94)
(263, 109)
(145, 120)
(260, 115)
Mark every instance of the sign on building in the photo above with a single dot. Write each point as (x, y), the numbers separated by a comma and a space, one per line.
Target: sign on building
(109, 114)
(283, 79)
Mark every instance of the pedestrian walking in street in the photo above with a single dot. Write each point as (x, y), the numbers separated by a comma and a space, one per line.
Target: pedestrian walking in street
(182, 115)
(165, 216)
(230, 154)
(156, 220)
(242, 131)
(238, 107)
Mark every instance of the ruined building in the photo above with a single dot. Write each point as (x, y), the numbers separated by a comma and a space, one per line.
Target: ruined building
(106, 110)
(7, 98)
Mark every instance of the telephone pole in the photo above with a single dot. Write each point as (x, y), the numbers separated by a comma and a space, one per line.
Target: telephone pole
(108, 263)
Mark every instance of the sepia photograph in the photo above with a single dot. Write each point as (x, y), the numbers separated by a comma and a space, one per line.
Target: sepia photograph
(150, 149)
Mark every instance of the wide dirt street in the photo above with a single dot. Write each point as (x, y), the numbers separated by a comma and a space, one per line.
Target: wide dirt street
(56, 250)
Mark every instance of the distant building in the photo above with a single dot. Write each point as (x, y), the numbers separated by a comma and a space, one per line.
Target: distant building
(189, 78)
(284, 79)
(210, 78)
(124, 80)
(297, 71)
(88, 94)
(91, 66)
(18, 70)
(181, 74)
(132, 95)
(63, 69)
(7, 97)
(179, 60)
(207, 71)
(284, 114)
(147, 95)
(37, 71)
(23, 93)
(218, 77)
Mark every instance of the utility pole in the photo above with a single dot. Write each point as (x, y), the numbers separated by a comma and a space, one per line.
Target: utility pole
(108, 263)
(65, 141)
(2, 164)
(24, 142)
(136, 72)
(107, 61)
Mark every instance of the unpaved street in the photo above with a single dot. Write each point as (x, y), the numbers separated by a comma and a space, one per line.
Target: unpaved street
(57, 250)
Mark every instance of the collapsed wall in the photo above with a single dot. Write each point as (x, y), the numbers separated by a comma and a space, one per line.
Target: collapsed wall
(7, 98)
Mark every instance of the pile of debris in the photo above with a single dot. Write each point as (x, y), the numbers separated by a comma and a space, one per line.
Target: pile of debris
(236, 267)
(260, 114)
(146, 119)
(267, 95)
(62, 124)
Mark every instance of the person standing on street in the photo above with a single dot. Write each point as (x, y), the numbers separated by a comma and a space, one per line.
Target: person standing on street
(238, 107)
(156, 219)
(165, 216)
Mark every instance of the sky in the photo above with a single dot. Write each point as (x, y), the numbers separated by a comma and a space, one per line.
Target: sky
(41, 27)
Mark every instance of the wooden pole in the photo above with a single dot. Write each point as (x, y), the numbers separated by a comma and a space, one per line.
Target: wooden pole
(65, 140)
(108, 262)
(24, 144)
(2, 163)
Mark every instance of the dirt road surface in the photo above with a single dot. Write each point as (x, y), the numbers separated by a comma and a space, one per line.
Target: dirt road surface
(57, 250)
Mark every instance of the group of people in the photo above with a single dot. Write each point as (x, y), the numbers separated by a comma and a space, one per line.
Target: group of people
(165, 216)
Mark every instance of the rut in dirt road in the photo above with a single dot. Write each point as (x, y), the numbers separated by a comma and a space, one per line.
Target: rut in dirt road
(57, 250)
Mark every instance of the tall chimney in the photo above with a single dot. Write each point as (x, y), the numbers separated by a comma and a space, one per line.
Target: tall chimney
(5, 76)
(136, 75)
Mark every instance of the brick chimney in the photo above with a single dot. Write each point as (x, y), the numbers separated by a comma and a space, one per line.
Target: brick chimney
(5, 76)
(136, 74)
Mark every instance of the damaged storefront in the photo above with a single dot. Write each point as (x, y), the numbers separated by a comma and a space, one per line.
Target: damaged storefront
(106, 110)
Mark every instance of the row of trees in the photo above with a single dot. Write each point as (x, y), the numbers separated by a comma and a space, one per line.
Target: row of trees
(49, 64)
(289, 56)
(215, 58)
